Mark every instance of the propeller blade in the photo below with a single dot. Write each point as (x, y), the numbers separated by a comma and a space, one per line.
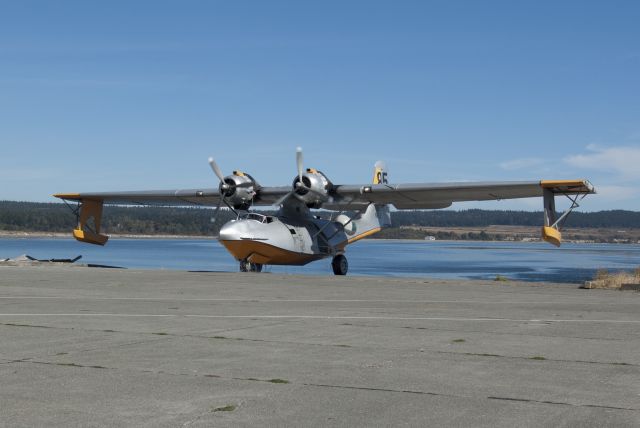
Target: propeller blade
(216, 169)
(299, 163)
(215, 215)
(282, 199)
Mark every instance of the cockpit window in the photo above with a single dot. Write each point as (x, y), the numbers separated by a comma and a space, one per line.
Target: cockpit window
(257, 217)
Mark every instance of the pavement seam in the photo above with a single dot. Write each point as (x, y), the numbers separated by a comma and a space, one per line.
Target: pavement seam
(239, 339)
(319, 385)
(62, 364)
(474, 354)
(561, 403)
(196, 336)
(484, 332)
(258, 326)
(362, 388)
(524, 400)
(324, 317)
(239, 300)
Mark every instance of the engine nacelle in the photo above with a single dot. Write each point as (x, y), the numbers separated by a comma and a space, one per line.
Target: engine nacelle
(314, 190)
(239, 189)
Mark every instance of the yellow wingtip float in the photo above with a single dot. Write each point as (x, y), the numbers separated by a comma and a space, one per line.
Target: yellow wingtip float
(574, 190)
(552, 235)
(89, 215)
(90, 237)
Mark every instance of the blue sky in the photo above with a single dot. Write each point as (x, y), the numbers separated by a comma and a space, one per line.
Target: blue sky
(98, 96)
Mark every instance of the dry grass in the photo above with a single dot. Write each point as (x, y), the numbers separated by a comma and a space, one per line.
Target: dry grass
(605, 279)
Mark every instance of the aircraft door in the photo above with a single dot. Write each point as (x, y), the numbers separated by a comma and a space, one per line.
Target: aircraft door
(298, 234)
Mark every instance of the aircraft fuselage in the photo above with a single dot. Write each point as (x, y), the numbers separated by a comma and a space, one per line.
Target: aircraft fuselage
(273, 240)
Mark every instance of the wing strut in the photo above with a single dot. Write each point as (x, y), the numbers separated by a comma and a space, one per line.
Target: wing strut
(552, 222)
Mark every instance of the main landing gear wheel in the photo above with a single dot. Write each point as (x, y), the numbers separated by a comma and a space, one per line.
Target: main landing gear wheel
(246, 266)
(340, 265)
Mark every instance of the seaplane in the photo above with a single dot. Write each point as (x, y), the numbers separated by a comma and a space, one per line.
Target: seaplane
(298, 234)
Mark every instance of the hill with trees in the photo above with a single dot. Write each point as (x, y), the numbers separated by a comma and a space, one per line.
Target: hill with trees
(57, 217)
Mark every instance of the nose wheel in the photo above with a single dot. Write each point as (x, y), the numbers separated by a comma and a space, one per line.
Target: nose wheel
(340, 265)
(246, 266)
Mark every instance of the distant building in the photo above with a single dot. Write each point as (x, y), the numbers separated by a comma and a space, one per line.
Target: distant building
(429, 238)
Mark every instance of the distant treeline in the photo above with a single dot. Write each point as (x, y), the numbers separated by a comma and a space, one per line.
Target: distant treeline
(480, 218)
(56, 217)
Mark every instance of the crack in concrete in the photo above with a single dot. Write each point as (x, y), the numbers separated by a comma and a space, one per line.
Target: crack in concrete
(561, 403)
(148, 371)
(438, 394)
(159, 336)
(461, 331)
(71, 364)
(196, 418)
(369, 388)
(11, 324)
(258, 326)
(535, 358)
(321, 385)
(240, 339)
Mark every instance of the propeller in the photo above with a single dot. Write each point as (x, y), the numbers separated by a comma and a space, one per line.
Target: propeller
(299, 183)
(299, 165)
(216, 169)
(236, 190)
(223, 187)
(300, 187)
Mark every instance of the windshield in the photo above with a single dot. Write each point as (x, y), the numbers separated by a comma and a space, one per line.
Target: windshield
(257, 217)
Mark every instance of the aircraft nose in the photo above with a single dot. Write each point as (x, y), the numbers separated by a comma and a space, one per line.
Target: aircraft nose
(229, 232)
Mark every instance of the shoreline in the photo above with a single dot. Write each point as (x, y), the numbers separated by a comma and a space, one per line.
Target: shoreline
(63, 235)
(66, 235)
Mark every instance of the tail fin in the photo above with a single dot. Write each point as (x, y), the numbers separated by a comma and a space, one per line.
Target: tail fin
(380, 173)
(380, 176)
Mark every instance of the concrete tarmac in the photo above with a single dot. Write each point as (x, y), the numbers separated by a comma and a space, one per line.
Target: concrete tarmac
(104, 347)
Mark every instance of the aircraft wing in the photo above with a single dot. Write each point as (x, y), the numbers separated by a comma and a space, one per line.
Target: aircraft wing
(342, 197)
(90, 204)
(401, 196)
(178, 197)
(442, 195)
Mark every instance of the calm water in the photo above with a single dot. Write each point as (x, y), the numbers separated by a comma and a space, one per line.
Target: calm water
(485, 260)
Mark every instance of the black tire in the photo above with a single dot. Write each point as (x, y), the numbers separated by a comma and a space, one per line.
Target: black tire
(244, 266)
(255, 267)
(340, 265)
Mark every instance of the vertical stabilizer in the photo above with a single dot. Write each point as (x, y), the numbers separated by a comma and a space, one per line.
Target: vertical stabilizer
(381, 176)
(380, 173)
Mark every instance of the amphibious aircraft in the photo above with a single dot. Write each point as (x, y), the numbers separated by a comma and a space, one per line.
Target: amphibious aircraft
(297, 235)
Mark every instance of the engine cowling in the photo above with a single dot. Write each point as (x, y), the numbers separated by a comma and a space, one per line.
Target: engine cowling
(239, 189)
(314, 189)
